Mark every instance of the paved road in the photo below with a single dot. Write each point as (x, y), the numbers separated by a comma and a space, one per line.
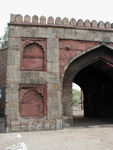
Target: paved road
(93, 138)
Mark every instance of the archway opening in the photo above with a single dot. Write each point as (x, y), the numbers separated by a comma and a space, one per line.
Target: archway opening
(96, 81)
(77, 101)
(93, 72)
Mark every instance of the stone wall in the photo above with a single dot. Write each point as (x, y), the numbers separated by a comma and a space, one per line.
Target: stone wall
(39, 52)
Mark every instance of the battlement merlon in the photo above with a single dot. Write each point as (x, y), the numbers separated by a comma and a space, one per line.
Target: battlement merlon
(17, 19)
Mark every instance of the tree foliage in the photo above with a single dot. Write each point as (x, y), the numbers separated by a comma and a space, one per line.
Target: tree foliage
(5, 36)
(76, 96)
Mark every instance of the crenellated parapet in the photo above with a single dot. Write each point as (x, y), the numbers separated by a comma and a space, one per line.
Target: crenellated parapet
(50, 21)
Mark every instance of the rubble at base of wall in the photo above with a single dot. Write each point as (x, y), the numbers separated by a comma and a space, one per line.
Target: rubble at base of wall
(17, 126)
(67, 121)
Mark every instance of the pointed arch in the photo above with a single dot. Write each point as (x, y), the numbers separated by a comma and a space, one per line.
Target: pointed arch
(102, 52)
(99, 55)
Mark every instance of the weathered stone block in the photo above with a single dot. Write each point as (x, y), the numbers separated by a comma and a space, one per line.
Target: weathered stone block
(50, 20)
(13, 114)
(31, 127)
(52, 112)
(58, 21)
(101, 24)
(12, 96)
(87, 24)
(43, 20)
(35, 19)
(107, 25)
(25, 128)
(27, 19)
(49, 124)
(80, 23)
(65, 21)
(94, 24)
(53, 88)
(12, 72)
(39, 126)
(52, 99)
(11, 59)
(12, 17)
(72, 22)
(15, 129)
(15, 123)
(18, 18)
(59, 124)
(14, 44)
(53, 67)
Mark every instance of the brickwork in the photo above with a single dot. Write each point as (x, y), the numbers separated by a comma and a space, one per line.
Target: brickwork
(40, 52)
(3, 67)
(70, 48)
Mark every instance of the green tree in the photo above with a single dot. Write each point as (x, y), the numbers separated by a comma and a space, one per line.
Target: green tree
(5, 36)
(76, 96)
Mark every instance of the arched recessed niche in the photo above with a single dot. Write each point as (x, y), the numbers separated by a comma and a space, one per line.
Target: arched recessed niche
(33, 55)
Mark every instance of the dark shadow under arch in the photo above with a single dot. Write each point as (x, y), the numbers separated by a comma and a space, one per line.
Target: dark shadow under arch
(93, 71)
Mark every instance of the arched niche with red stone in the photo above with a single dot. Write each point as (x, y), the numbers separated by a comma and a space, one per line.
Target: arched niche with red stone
(32, 102)
(33, 54)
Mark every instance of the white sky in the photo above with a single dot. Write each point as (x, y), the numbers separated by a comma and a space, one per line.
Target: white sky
(78, 9)
(75, 86)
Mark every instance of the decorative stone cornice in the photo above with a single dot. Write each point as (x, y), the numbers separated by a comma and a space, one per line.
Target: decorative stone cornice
(65, 22)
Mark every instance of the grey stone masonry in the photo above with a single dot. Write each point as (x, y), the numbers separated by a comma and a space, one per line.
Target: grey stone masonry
(52, 31)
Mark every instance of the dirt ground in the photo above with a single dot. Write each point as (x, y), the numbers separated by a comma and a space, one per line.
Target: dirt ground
(86, 134)
(92, 138)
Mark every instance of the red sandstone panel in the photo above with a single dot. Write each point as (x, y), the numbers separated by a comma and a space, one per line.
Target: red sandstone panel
(33, 63)
(33, 50)
(64, 54)
(74, 45)
(70, 48)
(32, 103)
(33, 54)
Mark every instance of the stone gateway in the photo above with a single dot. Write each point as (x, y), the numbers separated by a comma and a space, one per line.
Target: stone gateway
(43, 58)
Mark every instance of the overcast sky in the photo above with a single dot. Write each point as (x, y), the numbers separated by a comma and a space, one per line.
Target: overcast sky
(78, 9)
